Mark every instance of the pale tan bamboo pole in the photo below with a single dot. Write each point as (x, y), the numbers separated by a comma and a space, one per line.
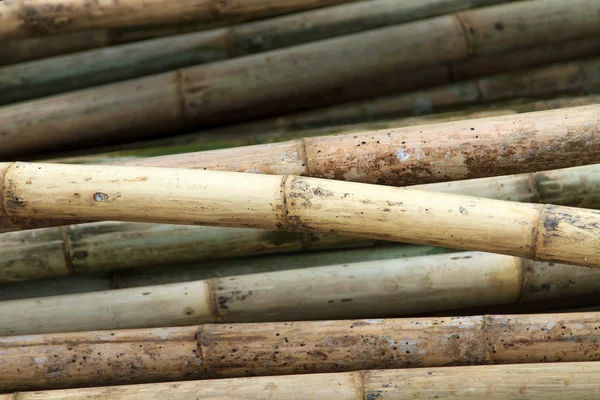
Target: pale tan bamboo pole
(233, 350)
(293, 203)
(44, 17)
(223, 92)
(107, 246)
(500, 382)
(373, 289)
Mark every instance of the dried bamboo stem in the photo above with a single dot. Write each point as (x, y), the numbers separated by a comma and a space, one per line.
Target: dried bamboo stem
(234, 350)
(502, 382)
(107, 246)
(226, 91)
(376, 289)
(293, 203)
(96, 67)
(44, 17)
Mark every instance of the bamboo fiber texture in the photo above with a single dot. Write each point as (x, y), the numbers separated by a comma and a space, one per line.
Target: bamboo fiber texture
(376, 289)
(61, 74)
(500, 382)
(292, 203)
(225, 91)
(20, 19)
(235, 350)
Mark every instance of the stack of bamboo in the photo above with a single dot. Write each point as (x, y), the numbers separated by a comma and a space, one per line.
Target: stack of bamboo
(354, 199)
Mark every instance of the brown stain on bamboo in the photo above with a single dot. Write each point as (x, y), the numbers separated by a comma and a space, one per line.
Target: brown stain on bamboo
(233, 350)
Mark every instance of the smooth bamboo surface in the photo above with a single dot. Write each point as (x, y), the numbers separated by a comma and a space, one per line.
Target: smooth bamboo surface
(44, 17)
(107, 246)
(23, 50)
(225, 91)
(61, 74)
(293, 203)
(234, 350)
(500, 382)
(375, 289)
(172, 273)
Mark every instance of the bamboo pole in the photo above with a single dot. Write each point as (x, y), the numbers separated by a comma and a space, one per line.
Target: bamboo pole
(500, 382)
(56, 286)
(61, 74)
(270, 131)
(107, 246)
(375, 289)
(235, 350)
(225, 91)
(402, 156)
(57, 251)
(43, 18)
(293, 203)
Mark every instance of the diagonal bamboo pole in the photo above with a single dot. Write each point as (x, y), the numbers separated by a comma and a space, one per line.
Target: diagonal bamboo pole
(376, 289)
(500, 382)
(226, 92)
(43, 17)
(234, 350)
(293, 203)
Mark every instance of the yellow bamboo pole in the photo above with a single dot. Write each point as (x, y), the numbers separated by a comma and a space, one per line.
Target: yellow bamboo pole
(234, 350)
(375, 289)
(501, 382)
(293, 203)
(20, 19)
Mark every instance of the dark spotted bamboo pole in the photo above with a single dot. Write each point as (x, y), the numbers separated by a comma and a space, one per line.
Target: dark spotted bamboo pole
(235, 350)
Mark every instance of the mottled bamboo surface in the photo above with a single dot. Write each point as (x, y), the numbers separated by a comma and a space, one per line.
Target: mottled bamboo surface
(236, 350)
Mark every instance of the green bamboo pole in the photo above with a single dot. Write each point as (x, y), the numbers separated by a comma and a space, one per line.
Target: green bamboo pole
(106, 246)
(43, 17)
(233, 350)
(374, 289)
(23, 50)
(500, 382)
(293, 203)
(226, 91)
(61, 74)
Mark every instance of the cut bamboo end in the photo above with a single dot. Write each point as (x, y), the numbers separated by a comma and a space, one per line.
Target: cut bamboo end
(503, 382)
(404, 286)
(236, 350)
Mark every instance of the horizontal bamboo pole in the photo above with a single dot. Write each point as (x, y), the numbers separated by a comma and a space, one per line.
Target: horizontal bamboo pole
(61, 74)
(173, 273)
(107, 246)
(293, 203)
(234, 350)
(29, 49)
(500, 382)
(225, 91)
(44, 17)
(375, 289)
